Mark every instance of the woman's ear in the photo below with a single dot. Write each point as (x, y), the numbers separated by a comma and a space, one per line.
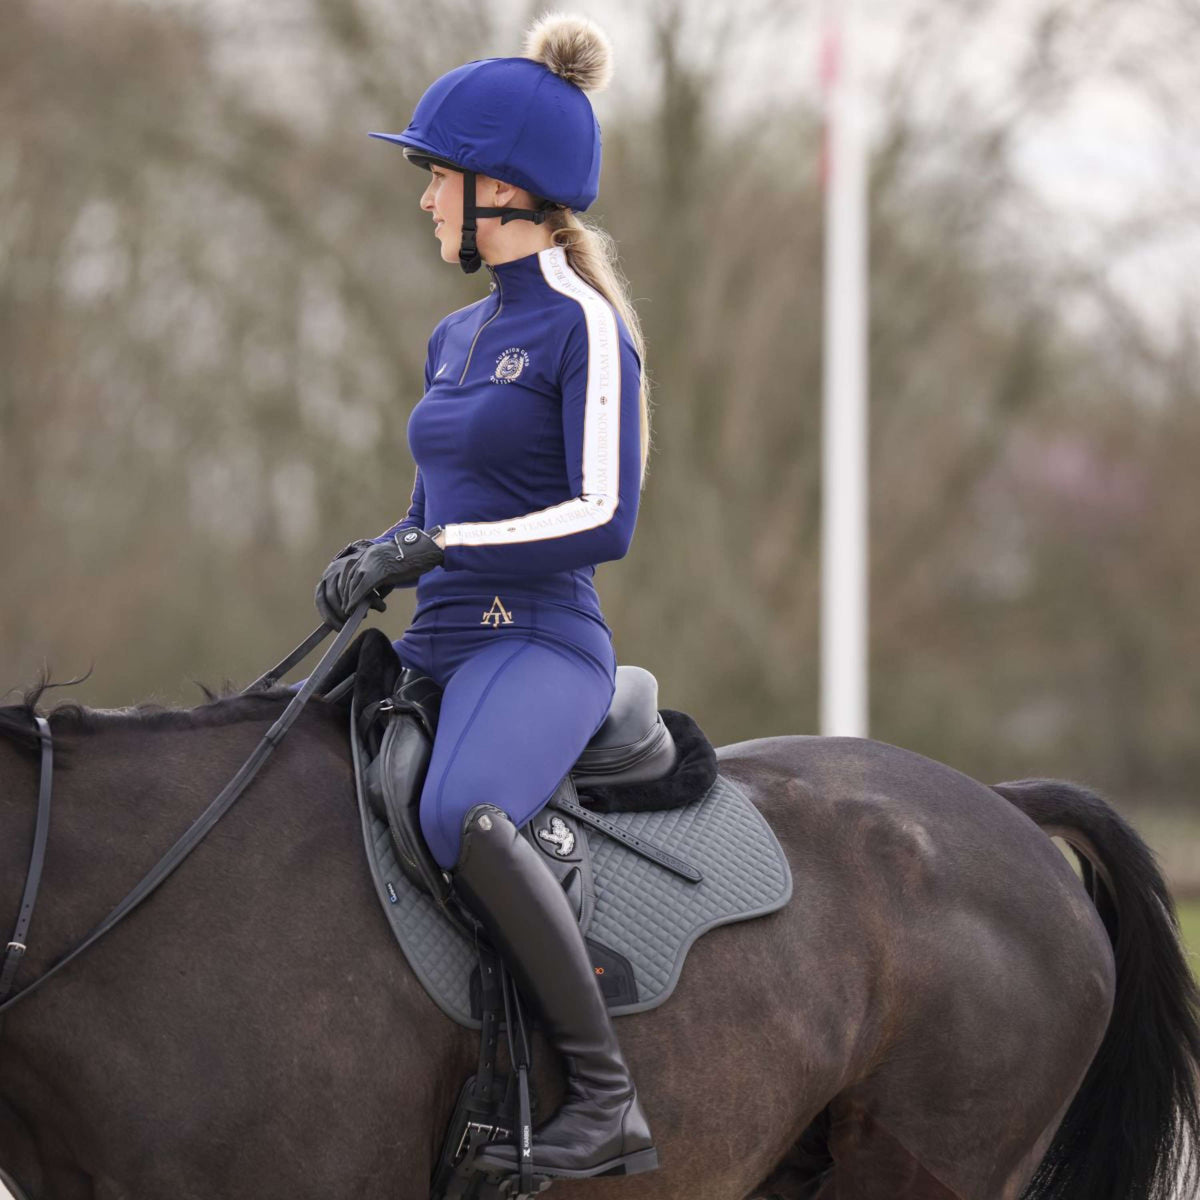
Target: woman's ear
(503, 195)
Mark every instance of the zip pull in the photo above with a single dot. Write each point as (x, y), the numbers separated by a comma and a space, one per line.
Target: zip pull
(499, 309)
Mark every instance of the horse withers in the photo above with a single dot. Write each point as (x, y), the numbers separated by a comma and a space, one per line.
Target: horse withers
(943, 1010)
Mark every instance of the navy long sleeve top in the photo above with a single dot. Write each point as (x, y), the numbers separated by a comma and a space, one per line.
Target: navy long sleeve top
(528, 438)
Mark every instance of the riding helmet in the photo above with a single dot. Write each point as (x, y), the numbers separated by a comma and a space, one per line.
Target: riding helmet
(526, 121)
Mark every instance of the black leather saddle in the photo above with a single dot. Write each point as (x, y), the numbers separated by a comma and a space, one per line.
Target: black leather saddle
(640, 759)
(633, 746)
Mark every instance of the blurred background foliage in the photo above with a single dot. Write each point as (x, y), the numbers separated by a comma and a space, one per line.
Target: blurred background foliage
(215, 294)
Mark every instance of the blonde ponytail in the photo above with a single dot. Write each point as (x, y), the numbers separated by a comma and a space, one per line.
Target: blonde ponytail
(592, 254)
(578, 50)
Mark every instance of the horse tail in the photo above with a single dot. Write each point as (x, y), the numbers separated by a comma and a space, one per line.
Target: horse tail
(1132, 1131)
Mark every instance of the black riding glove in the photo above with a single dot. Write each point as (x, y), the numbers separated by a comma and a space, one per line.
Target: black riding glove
(328, 592)
(396, 563)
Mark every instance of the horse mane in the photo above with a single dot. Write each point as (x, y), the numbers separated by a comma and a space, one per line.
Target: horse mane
(220, 708)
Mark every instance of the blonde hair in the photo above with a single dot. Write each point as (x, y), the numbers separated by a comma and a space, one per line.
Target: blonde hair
(592, 254)
(578, 50)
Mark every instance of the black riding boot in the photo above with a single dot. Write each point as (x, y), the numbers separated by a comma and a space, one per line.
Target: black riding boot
(600, 1128)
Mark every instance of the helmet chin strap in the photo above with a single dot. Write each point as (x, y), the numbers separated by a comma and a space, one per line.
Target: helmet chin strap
(468, 250)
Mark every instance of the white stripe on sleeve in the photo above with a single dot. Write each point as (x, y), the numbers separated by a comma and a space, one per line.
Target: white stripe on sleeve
(601, 428)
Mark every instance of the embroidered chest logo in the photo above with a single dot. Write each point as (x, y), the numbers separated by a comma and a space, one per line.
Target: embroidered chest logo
(497, 615)
(510, 365)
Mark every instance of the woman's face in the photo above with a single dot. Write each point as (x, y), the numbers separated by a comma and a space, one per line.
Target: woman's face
(443, 199)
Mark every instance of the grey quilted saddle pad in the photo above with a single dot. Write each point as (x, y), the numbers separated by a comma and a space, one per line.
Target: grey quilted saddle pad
(645, 913)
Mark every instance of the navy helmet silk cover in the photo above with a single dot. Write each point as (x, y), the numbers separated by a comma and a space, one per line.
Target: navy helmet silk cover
(515, 120)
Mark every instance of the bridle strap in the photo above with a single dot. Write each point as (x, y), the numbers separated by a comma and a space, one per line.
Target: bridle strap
(16, 946)
(301, 652)
(208, 818)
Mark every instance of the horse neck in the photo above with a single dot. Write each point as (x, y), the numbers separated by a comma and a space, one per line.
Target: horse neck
(258, 969)
(125, 790)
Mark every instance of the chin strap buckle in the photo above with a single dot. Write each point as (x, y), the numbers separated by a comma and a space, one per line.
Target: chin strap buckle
(468, 249)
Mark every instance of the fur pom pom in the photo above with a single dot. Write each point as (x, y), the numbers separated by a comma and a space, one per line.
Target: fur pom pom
(573, 47)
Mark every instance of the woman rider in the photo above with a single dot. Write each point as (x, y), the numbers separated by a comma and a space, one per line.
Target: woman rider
(530, 443)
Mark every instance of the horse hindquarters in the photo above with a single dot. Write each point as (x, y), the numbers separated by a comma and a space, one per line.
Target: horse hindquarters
(1111, 1031)
(985, 976)
(1128, 1130)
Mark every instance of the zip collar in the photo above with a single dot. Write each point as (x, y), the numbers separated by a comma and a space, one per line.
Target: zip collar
(522, 276)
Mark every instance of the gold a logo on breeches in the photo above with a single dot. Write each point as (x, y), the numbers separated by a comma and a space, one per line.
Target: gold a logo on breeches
(497, 615)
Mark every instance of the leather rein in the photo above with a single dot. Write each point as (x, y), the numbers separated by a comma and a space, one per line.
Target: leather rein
(220, 805)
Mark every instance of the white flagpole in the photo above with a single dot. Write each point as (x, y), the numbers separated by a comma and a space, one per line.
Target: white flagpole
(844, 442)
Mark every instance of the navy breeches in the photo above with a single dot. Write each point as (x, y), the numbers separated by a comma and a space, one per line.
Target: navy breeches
(525, 684)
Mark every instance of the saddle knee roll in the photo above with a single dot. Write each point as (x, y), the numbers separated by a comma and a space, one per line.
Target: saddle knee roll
(396, 777)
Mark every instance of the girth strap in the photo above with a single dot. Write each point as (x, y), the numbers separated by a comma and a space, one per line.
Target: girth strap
(16, 947)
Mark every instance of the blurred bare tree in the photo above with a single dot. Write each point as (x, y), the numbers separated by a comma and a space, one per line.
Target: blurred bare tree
(216, 295)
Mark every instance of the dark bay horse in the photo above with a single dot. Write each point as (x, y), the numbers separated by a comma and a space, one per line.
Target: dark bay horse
(943, 1010)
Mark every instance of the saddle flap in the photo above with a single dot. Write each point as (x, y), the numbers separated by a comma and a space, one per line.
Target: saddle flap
(565, 851)
(397, 775)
